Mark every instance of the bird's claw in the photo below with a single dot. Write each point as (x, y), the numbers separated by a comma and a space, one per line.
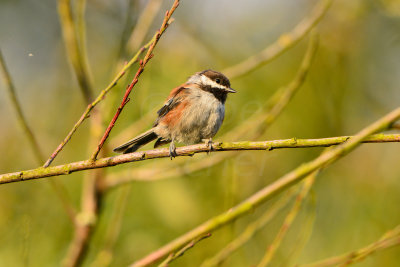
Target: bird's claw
(172, 150)
(209, 144)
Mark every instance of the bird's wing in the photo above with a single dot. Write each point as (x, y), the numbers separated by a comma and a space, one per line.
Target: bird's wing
(174, 98)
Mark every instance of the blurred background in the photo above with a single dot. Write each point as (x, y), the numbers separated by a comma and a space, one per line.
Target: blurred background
(353, 80)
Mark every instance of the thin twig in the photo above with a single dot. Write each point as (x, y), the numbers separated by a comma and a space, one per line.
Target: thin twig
(284, 42)
(142, 65)
(304, 233)
(307, 184)
(174, 256)
(389, 239)
(271, 190)
(130, 23)
(249, 232)
(105, 255)
(145, 20)
(57, 186)
(75, 53)
(252, 128)
(85, 221)
(81, 37)
(66, 169)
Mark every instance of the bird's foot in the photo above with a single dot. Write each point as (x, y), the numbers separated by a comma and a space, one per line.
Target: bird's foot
(172, 150)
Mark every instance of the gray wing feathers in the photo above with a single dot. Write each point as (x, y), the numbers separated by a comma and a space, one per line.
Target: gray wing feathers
(135, 143)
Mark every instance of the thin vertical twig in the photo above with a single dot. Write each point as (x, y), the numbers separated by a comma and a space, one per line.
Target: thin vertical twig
(105, 255)
(60, 191)
(76, 55)
(129, 25)
(145, 20)
(142, 65)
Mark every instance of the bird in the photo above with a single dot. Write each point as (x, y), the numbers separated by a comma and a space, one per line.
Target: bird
(193, 112)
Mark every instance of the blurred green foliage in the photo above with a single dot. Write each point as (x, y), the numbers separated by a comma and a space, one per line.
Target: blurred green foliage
(353, 81)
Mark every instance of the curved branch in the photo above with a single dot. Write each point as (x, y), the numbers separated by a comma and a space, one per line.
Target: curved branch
(66, 169)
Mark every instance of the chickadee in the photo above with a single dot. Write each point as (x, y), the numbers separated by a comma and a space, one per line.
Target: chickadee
(192, 113)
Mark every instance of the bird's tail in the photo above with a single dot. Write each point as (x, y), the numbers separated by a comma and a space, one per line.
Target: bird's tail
(137, 142)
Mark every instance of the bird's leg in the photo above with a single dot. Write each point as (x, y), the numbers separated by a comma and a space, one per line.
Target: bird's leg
(209, 144)
(172, 150)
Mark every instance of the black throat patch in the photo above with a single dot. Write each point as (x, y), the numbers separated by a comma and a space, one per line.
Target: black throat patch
(217, 92)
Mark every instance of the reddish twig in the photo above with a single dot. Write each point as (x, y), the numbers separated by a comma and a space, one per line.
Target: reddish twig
(99, 98)
(142, 64)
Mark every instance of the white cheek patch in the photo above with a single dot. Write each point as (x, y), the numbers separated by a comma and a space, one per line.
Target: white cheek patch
(207, 81)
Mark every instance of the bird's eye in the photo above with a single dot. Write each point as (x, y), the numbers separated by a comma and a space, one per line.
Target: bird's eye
(218, 80)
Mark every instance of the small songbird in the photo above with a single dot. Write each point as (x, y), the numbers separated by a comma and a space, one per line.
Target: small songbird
(192, 113)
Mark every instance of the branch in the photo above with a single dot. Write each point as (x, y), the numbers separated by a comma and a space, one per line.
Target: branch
(142, 65)
(69, 168)
(284, 42)
(271, 190)
(389, 239)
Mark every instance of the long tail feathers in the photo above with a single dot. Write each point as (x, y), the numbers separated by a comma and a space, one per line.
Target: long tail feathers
(137, 142)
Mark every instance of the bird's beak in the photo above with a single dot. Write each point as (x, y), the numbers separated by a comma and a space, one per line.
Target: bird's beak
(230, 90)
